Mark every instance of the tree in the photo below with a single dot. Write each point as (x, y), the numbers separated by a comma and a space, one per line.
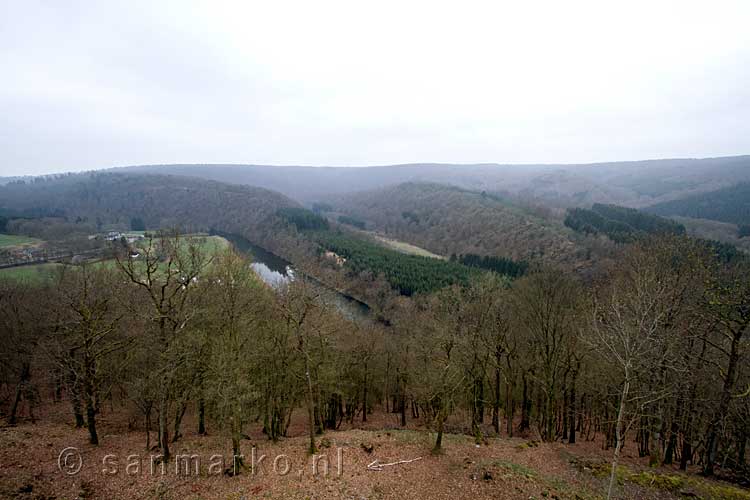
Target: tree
(166, 272)
(439, 374)
(87, 333)
(546, 306)
(298, 305)
(627, 330)
(22, 326)
(728, 302)
(235, 319)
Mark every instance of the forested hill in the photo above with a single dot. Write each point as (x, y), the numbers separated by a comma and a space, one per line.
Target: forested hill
(160, 201)
(620, 224)
(633, 183)
(449, 220)
(731, 204)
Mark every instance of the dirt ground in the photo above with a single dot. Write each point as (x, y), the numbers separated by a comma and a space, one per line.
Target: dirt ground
(32, 466)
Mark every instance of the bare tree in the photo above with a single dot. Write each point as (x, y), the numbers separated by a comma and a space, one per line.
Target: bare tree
(546, 305)
(21, 326)
(235, 311)
(298, 305)
(627, 331)
(729, 305)
(166, 270)
(87, 334)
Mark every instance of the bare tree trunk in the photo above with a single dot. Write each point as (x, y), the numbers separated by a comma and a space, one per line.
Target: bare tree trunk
(90, 408)
(20, 391)
(712, 440)
(387, 380)
(364, 396)
(496, 403)
(509, 408)
(741, 445)
(148, 428)
(237, 462)
(686, 453)
(673, 430)
(75, 398)
(619, 435)
(572, 413)
(178, 421)
(202, 416)
(525, 405)
(402, 405)
(310, 407)
(163, 431)
(439, 439)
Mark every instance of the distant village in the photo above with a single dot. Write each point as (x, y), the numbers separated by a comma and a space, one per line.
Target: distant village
(42, 251)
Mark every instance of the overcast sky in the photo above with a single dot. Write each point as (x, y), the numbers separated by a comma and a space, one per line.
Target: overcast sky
(97, 84)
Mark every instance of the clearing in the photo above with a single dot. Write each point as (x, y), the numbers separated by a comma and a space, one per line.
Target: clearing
(14, 240)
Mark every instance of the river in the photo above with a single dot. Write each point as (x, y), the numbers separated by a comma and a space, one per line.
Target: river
(276, 272)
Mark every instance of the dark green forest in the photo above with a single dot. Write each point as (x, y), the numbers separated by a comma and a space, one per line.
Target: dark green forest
(352, 221)
(303, 219)
(500, 265)
(409, 274)
(730, 204)
(620, 224)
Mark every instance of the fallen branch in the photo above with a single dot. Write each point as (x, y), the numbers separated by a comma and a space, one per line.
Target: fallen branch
(375, 465)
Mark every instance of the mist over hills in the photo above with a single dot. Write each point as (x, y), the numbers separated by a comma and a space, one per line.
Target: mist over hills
(511, 210)
(729, 204)
(632, 183)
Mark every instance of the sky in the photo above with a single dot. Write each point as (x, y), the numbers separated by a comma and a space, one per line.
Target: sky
(97, 84)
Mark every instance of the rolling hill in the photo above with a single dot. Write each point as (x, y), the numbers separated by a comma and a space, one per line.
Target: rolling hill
(730, 204)
(107, 199)
(447, 220)
(632, 183)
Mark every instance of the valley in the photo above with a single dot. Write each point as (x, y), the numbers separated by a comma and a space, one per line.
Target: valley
(423, 320)
(375, 250)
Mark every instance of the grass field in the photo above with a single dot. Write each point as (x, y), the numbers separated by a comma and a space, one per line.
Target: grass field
(37, 274)
(399, 246)
(407, 248)
(12, 240)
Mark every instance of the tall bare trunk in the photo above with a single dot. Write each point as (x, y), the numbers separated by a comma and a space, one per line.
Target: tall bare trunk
(163, 431)
(20, 389)
(310, 407)
(202, 416)
(90, 407)
(496, 403)
(619, 435)
(178, 421)
(439, 439)
(148, 428)
(712, 440)
(364, 396)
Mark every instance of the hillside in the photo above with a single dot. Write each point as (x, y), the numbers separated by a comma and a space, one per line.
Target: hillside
(730, 204)
(620, 224)
(633, 183)
(107, 200)
(448, 220)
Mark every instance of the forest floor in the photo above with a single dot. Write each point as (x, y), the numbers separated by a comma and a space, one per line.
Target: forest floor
(500, 468)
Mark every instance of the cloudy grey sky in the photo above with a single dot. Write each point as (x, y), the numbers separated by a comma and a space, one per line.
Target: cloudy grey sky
(102, 83)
